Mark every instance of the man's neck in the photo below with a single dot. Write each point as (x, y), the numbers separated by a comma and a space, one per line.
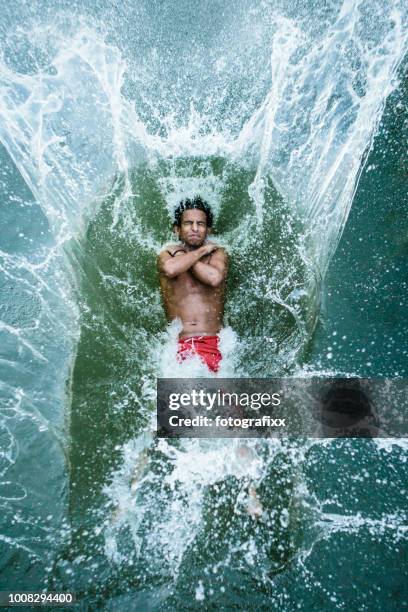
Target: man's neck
(188, 247)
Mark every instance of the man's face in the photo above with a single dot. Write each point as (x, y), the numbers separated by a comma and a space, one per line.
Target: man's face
(193, 229)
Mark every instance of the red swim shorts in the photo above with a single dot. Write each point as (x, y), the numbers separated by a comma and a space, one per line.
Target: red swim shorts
(206, 347)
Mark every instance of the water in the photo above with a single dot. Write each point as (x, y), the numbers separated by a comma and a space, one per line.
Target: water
(275, 114)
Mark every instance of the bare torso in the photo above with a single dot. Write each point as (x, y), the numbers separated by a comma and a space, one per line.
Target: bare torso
(199, 306)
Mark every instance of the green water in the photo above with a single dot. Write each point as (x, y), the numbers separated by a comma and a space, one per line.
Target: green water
(365, 296)
(106, 411)
(90, 501)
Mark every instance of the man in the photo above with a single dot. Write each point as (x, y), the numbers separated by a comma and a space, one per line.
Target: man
(192, 281)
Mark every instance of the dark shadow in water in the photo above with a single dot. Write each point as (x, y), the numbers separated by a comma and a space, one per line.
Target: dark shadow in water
(346, 411)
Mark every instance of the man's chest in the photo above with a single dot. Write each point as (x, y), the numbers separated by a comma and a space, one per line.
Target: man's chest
(185, 286)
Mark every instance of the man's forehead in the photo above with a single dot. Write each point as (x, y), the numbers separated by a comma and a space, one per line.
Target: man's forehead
(194, 214)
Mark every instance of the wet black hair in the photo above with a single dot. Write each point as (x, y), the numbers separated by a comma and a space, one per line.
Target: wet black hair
(188, 204)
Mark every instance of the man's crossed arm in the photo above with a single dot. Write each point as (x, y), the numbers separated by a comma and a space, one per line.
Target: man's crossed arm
(212, 274)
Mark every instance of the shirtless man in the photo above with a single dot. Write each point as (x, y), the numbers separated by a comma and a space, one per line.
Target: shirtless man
(192, 281)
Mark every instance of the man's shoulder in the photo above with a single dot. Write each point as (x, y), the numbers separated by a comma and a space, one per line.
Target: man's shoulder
(169, 248)
(221, 249)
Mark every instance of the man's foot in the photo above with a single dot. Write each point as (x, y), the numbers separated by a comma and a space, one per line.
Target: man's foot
(253, 505)
(139, 470)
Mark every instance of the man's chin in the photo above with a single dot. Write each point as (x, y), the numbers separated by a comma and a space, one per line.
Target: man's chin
(194, 244)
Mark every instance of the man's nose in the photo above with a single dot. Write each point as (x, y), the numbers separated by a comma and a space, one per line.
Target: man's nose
(195, 226)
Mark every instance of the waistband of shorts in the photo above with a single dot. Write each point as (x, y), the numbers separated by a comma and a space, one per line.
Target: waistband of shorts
(198, 337)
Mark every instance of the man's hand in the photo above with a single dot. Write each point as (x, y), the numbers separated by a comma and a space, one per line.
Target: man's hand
(172, 266)
(212, 274)
(208, 248)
